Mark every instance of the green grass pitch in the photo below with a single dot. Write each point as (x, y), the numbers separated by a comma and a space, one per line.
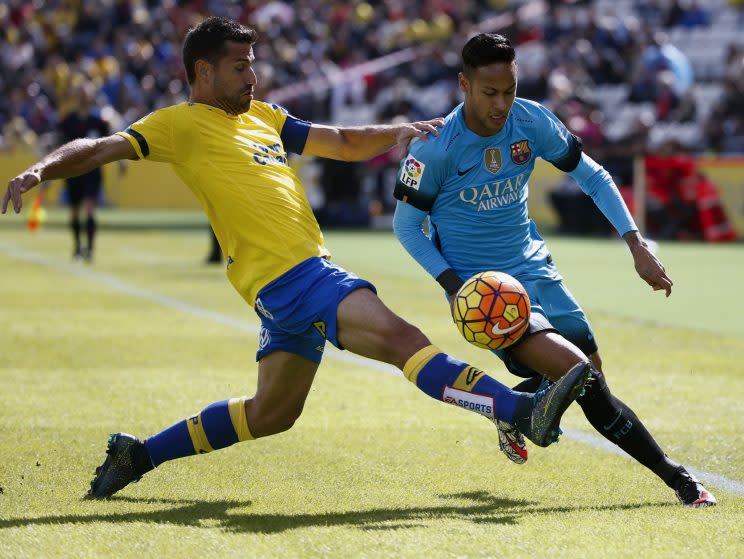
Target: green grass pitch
(148, 335)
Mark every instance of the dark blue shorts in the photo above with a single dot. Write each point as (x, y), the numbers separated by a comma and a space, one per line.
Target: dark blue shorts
(298, 309)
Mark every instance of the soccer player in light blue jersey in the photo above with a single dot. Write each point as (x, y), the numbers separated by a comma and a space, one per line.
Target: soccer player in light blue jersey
(471, 182)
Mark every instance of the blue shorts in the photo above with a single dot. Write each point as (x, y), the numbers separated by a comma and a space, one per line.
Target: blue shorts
(553, 309)
(298, 309)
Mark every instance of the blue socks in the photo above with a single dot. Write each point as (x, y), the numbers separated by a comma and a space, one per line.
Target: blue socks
(219, 425)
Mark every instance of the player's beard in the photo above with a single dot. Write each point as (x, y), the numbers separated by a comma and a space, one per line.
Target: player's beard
(235, 105)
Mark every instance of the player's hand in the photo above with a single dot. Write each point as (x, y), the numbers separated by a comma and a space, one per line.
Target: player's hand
(17, 186)
(420, 129)
(651, 269)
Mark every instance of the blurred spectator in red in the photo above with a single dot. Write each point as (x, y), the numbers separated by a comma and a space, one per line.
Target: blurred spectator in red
(682, 203)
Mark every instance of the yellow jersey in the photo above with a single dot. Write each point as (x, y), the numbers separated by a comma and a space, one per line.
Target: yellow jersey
(236, 165)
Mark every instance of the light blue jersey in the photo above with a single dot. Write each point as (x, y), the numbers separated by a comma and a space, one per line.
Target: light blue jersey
(475, 189)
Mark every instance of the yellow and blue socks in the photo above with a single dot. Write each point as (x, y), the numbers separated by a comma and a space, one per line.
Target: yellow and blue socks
(452, 381)
(442, 377)
(219, 425)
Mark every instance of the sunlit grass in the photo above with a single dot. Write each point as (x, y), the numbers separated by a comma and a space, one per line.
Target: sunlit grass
(373, 467)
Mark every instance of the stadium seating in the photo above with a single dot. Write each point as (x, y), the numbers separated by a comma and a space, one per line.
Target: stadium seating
(585, 54)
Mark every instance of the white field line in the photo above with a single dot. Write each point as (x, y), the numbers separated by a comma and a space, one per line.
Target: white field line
(112, 282)
(727, 484)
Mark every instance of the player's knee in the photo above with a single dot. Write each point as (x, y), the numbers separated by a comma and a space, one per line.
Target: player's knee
(272, 424)
(408, 335)
(403, 341)
(264, 421)
(279, 424)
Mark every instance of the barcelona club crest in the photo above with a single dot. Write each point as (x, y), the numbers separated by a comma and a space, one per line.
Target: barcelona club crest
(520, 152)
(492, 157)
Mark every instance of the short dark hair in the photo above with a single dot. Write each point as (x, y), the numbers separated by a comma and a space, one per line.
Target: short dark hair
(485, 49)
(207, 40)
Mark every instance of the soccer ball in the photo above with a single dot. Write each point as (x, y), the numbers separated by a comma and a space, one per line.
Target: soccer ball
(491, 310)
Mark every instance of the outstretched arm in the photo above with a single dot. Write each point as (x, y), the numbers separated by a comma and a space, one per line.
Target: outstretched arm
(597, 183)
(70, 160)
(364, 142)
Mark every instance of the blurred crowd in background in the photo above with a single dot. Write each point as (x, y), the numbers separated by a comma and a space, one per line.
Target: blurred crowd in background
(628, 76)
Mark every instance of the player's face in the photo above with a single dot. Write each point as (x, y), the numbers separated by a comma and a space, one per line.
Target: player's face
(489, 95)
(234, 78)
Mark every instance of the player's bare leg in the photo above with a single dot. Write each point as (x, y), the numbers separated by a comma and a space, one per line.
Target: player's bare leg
(284, 381)
(367, 327)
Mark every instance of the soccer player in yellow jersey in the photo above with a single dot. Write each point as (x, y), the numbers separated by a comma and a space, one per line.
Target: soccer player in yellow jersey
(231, 151)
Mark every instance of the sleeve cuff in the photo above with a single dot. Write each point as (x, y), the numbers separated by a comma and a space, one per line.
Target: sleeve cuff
(133, 141)
(450, 281)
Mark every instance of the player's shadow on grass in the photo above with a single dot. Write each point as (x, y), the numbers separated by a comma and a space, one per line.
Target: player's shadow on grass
(479, 507)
